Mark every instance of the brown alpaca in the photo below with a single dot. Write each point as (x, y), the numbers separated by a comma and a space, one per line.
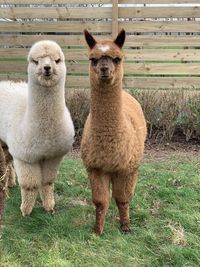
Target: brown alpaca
(3, 181)
(113, 140)
(9, 167)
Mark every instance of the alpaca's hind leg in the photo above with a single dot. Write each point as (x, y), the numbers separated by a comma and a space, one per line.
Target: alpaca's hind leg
(123, 188)
(29, 177)
(9, 167)
(100, 184)
(49, 173)
(11, 175)
(2, 182)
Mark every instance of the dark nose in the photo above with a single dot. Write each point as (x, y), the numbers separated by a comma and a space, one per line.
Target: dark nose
(104, 68)
(47, 68)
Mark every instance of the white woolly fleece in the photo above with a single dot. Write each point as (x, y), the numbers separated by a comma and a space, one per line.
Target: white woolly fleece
(34, 121)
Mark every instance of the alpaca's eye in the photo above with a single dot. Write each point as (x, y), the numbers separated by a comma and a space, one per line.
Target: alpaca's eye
(117, 60)
(94, 61)
(58, 61)
(35, 61)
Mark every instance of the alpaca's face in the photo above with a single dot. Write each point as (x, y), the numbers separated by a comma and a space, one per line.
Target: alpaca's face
(46, 64)
(106, 58)
(106, 62)
(106, 68)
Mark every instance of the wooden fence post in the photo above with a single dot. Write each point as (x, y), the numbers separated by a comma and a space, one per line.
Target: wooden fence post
(115, 15)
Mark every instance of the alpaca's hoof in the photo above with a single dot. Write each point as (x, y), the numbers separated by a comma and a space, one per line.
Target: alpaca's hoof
(125, 228)
(52, 211)
(11, 182)
(97, 230)
(49, 206)
(25, 211)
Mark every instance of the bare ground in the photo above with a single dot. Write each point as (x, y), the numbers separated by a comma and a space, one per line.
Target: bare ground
(172, 151)
(163, 152)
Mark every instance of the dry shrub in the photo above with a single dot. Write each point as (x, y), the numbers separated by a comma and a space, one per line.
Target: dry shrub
(169, 113)
(78, 102)
(170, 104)
(189, 117)
(150, 105)
(161, 109)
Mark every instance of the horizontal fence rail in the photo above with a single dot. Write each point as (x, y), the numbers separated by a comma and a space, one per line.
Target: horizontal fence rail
(162, 48)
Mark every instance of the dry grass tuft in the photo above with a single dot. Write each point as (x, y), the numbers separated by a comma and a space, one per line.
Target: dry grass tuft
(178, 235)
(155, 207)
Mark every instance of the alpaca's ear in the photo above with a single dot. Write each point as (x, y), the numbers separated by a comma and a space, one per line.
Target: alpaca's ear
(89, 39)
(119, 41)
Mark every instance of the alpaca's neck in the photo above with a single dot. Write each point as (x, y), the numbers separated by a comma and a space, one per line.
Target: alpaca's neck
(45, 102)
(106, 104)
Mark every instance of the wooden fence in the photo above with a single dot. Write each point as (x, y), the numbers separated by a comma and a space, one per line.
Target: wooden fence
(162, 48)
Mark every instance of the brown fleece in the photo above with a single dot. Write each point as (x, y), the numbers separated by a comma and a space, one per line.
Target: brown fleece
(114, 134)
(11, 179)
(2, 181)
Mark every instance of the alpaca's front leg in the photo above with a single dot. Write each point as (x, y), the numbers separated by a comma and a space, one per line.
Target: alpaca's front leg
(29, 177)
(49, 173)
(123, 189)
(100, 184)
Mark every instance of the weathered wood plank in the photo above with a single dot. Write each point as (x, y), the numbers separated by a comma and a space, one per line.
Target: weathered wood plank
(101, 27)
(58, 26)
(13, 76)
(115, 15)
(42, 2)
(82, 82)
(54, 2)
(21, 66)
(159, 12)
(163, 41)
(130, 54)
(78, 40)
(162, 82)
(160, 26)
(56, 12)
(100, 2)
(142, 82)
(162, 54)
(162, 68)
(129, 68)
(21, 53)
(99, 12)
(28, 40)
(158, 1)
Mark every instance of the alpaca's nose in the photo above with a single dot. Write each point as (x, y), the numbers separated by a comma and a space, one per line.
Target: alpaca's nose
(47, 68)
(104, 69)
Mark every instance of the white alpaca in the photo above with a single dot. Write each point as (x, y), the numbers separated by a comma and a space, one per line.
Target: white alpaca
(36, 125)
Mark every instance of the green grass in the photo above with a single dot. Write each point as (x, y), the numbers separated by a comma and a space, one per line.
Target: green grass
(165, 215)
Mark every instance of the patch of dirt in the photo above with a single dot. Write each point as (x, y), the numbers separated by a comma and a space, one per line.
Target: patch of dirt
(162, 152)
(172, 151)
(75, 153)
